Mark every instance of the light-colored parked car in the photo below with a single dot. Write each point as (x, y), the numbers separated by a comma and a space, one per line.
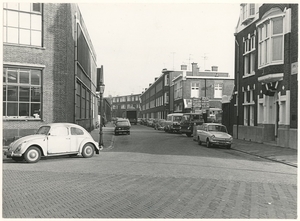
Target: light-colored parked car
(214, 134)
(53, 140)
(159, 124)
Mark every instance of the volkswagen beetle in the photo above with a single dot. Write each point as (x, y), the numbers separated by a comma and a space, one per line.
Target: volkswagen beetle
(53, 140)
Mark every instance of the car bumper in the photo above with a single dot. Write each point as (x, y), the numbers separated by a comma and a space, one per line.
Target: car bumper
(10, 154)
(220, 143)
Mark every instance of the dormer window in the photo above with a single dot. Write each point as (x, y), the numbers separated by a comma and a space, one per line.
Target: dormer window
(248, 13)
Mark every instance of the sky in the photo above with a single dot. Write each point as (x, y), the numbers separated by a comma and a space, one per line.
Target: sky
(135, 41)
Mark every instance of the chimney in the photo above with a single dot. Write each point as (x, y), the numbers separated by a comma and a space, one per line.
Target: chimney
(183, 67)
(214, 68)
(194, 69)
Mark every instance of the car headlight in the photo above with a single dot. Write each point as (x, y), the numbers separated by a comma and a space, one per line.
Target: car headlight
(212, 137)
(19, 147)
(230, 139)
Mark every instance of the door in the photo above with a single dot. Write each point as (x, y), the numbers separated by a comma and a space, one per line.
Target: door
(59, 140)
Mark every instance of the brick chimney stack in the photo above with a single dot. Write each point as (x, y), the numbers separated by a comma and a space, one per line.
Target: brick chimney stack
(195, 69)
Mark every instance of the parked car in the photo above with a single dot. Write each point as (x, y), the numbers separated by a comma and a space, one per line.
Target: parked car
(188, 121)
(53, 140)
(159, 124)
(150, 122)
(172, 123)
(122, 126)
(214, 134)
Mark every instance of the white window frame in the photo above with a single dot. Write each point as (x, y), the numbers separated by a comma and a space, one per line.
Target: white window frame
(249, 55)
(266, 38)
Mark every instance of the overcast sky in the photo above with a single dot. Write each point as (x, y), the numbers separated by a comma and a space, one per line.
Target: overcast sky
(135, 41)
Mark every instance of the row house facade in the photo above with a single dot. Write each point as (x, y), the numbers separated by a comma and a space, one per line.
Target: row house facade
(155, 100)
(49, 68)
(120, 104)
(171, 92)
(266, 74)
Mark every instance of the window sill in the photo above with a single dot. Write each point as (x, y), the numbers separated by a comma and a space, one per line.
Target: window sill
(24, 46)
(270, 64)
(249, 75)
(21, 119)
(250, 103)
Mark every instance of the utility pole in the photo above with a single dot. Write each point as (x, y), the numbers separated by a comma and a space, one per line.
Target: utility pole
(190, 61)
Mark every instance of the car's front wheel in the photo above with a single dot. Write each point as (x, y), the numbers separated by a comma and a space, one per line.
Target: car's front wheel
(88, 150)
(208, 144)
(199, 141)
(229, 146)
(32, 155)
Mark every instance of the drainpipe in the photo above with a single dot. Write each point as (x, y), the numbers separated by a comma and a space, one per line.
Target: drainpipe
(237, 95)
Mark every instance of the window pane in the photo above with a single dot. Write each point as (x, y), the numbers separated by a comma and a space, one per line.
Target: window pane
(12, 18)
(12, 76)
(36, 22)
(25, 7)
(24, 109)
(4, 108)
(36, 7)
(4, 17)
(36, 77)
(35, 110)
(4, 34)
(4, 75)
(4, 92)
(12, 109)
(36, 94)
(36, 38)
(24, 94)
(277, 48)
(12, 6)
(277, 26)
(24, 76)
(24, 20)
(24, 37)
(12, 35)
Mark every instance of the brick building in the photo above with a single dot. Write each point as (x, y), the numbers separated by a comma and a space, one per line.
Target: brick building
(266, 69)
(49, 68)
(171, 91)
(120, 104)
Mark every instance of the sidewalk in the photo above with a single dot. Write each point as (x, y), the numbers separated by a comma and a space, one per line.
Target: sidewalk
(275, 153)
(279, 154)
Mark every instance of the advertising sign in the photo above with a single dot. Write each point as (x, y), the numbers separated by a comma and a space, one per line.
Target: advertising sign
(197, 103)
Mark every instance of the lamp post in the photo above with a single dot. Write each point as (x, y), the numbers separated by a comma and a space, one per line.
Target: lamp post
(102, 87)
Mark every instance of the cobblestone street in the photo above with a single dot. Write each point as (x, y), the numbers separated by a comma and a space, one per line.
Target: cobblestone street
(93, 195)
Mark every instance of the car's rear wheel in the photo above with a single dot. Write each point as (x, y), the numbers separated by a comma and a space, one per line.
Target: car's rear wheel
(229, 146)
(18, 159)
(32, 155)
(189, 134)
(208, 144)
(128, 133)
(88, 150)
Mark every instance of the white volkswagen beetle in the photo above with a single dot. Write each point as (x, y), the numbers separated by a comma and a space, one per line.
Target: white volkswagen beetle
(214, 134)
(53, 140)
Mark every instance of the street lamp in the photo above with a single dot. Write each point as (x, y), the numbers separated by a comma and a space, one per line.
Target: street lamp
(102, 87)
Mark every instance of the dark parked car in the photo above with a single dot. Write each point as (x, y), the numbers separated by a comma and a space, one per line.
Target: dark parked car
(122, 126)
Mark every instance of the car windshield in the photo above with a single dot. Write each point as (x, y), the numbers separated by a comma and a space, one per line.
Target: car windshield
(122, 123)
(43, 130)
(177, 118)
(219, 128)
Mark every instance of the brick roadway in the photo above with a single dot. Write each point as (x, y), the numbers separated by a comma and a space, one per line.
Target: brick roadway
(94, 188)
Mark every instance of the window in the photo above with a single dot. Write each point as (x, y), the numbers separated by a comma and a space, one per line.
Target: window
(248, 10)
(21, 93)
(270, 41)
(22, 23)
(83, 101)
(59, 131)
(76, 131)
(218, 91)
(178, 90)
(249, 56)
(166, 97)
(249, 108)
(195, 90)
(166, 80)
